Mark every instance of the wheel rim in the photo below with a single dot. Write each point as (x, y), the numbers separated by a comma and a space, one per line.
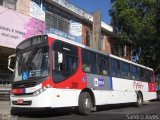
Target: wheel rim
(87, 103)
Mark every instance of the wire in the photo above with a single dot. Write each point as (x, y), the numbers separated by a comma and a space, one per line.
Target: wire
(133, 36)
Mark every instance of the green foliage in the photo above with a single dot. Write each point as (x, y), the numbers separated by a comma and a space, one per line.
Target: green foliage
(139, 22)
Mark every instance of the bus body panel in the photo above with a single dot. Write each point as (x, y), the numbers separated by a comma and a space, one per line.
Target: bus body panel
(129, 85)
(52, 98)
(152, 87)
(104, 97)
(39, 101)
(99, 82)
(149, 96)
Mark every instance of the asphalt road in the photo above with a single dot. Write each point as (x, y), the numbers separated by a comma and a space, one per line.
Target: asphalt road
(149, 111)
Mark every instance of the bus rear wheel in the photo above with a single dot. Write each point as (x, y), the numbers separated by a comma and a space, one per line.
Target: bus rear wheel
(139, 102)
(85, 103)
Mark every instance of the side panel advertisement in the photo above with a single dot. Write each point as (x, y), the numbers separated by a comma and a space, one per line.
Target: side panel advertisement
(15, 27)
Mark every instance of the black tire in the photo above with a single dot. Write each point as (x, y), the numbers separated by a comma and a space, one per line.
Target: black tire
(84, 103)
(139, 102)
(14, 111)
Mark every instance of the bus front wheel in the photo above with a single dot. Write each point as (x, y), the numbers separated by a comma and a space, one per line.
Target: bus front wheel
(84, 103)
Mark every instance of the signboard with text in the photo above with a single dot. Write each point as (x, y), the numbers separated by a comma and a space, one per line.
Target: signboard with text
(73, 8)
(15, 27)
(76, 30)
(36, 11)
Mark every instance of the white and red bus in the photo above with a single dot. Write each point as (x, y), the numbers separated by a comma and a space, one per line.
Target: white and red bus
(54, 72)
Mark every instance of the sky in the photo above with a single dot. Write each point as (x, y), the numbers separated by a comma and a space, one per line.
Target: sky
(91, 6)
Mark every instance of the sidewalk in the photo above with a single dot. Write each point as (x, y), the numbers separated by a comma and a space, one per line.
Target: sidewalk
(5, 107)
(5, 111)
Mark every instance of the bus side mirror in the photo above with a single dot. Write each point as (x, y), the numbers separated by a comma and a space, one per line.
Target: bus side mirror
(9, 62)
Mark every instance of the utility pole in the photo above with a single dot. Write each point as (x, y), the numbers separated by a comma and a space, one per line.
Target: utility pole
(96, 43)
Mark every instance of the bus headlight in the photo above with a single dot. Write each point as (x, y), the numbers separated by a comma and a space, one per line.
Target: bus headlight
(39, 91)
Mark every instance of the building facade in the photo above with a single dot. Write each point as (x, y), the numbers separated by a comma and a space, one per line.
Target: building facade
(23, 18)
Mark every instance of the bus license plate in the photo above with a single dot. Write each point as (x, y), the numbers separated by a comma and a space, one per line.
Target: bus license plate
(20, 101)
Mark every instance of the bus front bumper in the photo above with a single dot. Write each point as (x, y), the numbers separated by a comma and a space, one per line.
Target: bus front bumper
(31, 101)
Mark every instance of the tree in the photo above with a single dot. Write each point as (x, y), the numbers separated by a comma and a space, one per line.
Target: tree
(139, 22)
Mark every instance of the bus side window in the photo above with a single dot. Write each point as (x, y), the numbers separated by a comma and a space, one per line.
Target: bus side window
(89, 61)
(85, 61)
(103, 65)
(148, 76)
(125, 70)
(93, 63)
(115, 68)
(71, 63)
(134, 72)
(140, 74)
(65, 60)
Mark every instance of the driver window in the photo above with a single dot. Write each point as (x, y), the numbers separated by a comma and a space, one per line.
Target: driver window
(65, 60)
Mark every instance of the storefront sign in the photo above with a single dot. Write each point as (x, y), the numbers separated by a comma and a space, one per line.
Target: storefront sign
(76, 30)
(56, 10)
(62, 34)
(15, 27)
(36, 11)
(73, 8)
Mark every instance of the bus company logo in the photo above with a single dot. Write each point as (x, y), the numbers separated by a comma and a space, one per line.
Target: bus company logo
(138, 85)
(84, 79)
(99, 82)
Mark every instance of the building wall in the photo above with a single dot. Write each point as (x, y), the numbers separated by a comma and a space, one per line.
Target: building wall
(58, 21)
(86, 38)
(67, 24)
(107, 45)
(23, 6)
(15, 27)
(31, 17)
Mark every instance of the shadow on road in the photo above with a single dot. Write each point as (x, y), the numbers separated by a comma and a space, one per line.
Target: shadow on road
(46, 113)
(115, 106)
(69, 111)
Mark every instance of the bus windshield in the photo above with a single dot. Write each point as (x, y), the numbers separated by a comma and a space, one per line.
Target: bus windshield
(32, 64)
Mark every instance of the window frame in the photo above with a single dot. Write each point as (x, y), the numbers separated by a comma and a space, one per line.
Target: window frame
(58, 19)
